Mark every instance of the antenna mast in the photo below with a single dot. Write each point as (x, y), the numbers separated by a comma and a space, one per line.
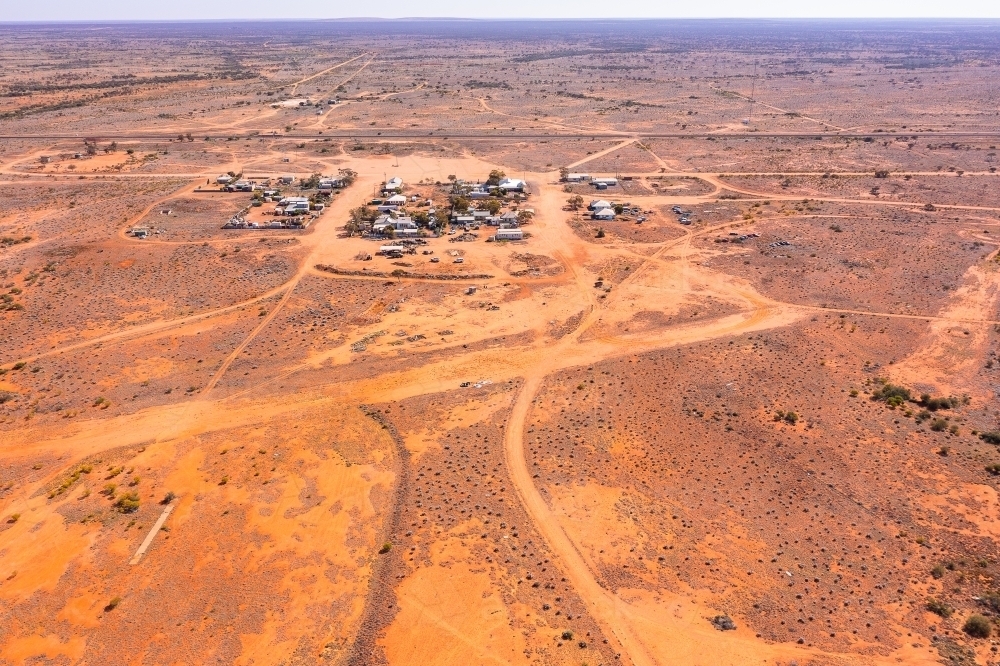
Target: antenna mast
(753, 90)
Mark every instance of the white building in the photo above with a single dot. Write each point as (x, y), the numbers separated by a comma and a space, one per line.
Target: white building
(598, 204)
(604, 214)
(509, 234)
(393, 183)
(577, 177)
(512, 185)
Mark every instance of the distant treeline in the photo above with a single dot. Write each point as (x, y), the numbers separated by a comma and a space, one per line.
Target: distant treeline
(28, 88)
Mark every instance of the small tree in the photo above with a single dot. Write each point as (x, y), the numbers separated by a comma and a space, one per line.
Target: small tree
(495, 177)
(347, 176)
(575, 202)
(600, 233)
(493, 205)
(563, 173)
(524, 216)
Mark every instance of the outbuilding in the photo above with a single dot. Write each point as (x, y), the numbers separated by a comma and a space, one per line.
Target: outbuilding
(509, 234)
(604, 214)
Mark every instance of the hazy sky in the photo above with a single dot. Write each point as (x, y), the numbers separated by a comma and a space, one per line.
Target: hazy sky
(82, 10)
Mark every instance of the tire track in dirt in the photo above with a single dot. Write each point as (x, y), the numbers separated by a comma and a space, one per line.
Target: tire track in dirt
(381, 596)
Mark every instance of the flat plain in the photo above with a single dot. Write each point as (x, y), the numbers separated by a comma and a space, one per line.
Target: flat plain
(751, 418)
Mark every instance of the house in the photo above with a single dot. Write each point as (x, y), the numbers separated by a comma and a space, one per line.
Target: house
(223, 179)
(480, 215)
(243, 186)
(598, 204)
(402, 226)
(577, 177)
(608, 182)
(44, 159)
(293, 205)
(396, 200)
(327, 184)
(509, 234)
(604, 214)
(391, 249)
(140, 232)
(394, 183)
(464, 219)
(510, 217)
(512, 185)
(286, 180)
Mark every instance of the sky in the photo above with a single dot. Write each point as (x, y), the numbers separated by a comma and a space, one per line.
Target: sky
(123, 10)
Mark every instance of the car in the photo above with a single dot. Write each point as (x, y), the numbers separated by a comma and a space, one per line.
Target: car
(459, 260)
(685, 222)
(435, 260)
(465, 384)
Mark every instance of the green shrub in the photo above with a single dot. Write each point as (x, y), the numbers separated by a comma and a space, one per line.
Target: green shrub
(991, 437)
(113, 604)
(993, 469)
(991, 600)
(128, 503)
(937, 572)
(939, 608)
(977, 626)
(887, 392)
(939, 425)
(386, 547)
(791, 418)
(934, 404)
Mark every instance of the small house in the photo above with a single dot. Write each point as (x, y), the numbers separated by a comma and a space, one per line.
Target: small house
(394, 183)
(604, 214)
(512, 185)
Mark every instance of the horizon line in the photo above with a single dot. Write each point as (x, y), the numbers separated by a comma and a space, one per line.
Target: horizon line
(359, 19)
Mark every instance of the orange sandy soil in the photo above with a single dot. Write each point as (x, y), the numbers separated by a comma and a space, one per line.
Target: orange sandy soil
(620, 468)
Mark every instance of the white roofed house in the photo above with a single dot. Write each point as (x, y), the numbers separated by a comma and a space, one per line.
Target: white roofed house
(396, 200)
(401, 226)
(512, 185)
(604, 214)
(598, 204)
(394, 183)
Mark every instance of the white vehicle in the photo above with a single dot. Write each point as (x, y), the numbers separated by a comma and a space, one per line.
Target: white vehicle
(459, 260)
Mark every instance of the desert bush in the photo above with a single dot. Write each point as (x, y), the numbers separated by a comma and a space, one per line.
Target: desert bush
(168, 498)
(991, 437)
(386, 547)
(891, 394)
(600, 233)
(934, 404)
(128, 503)
(991, 600)
(13, 518)
(939, 425)
(567, 635)
(937, 572)
(977, 626)
(113, 604)
(939, 608)
(993, 469)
